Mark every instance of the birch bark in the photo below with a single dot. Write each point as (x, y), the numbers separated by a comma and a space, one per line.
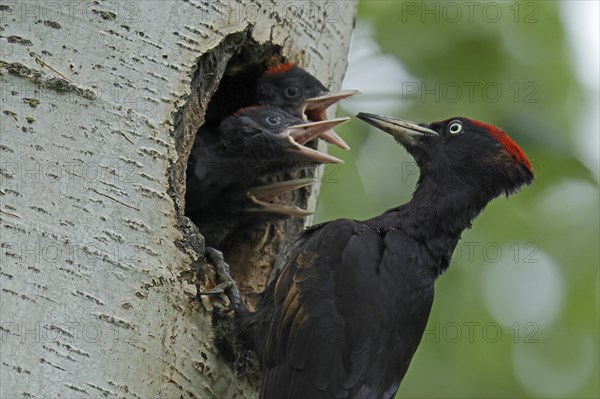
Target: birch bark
(100, 104)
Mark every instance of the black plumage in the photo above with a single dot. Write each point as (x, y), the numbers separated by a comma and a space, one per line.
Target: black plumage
(347, 313)
(287, 86)
(249, 147)
(226, 169)
(300, 94)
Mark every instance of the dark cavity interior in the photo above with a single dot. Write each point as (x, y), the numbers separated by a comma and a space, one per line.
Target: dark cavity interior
(251, 250)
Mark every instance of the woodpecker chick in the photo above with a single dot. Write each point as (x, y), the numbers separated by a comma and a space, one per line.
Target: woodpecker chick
(252, 143)
(293, 89)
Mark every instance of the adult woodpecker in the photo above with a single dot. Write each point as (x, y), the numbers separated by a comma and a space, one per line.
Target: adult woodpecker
(347, 313)
(224, 185)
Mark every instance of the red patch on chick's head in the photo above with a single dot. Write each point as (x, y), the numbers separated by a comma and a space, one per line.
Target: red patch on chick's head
(244, 110)
(279, 68)
(509, 145)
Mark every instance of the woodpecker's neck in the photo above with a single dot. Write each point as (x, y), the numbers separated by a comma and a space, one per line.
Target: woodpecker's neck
(441, 209)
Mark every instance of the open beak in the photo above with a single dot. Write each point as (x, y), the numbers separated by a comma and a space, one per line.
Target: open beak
(314, 109)
(405, 132)
(321, 103)
(299, 135)
(263, 195)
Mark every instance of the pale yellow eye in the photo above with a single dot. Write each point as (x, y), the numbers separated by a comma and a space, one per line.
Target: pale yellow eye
(455, 127)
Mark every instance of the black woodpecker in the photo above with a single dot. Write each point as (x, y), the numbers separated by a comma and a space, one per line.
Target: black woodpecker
(347, 313)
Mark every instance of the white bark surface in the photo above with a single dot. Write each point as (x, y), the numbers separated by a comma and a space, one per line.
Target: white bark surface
(97, 298)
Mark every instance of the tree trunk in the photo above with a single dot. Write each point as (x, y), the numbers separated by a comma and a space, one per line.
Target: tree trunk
(100, 105)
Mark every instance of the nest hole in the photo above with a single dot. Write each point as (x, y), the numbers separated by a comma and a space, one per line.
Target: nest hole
(223, 82)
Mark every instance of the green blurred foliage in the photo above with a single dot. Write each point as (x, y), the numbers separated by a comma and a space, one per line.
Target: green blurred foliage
(559, 214)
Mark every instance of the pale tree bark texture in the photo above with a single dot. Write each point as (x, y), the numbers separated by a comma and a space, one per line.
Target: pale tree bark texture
(99, 266)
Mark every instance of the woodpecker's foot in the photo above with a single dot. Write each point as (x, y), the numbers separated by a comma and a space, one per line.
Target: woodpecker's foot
(227, 284)
(262, 196)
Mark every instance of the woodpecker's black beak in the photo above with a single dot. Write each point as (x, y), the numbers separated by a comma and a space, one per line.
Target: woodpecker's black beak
(298, 135)
(405, 132)
(314, 109)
